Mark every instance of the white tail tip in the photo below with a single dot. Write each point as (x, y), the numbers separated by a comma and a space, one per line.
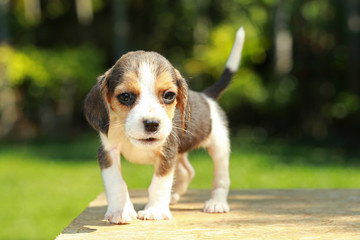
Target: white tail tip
(233, 61)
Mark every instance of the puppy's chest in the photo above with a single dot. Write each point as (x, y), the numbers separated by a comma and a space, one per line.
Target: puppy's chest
(140, 156)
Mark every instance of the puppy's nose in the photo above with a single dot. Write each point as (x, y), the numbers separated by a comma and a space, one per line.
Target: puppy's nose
(151, 125)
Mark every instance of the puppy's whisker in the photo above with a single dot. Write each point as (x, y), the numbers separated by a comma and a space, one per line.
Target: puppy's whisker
(180, 121)
(176, 137)
(185, 130)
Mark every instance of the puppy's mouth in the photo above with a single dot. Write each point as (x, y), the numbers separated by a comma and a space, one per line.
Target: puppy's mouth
(149, 140)
(146, 142)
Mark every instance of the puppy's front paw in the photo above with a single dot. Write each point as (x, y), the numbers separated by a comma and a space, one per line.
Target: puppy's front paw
(155, 213)
(121, 216)
(216, 206)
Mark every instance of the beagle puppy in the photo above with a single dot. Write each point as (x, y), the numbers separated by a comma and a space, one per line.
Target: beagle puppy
(143, 110)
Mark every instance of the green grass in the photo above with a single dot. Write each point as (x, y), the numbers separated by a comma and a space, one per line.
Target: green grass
(44, 185)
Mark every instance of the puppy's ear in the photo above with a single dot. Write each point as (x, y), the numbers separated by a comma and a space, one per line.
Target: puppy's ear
(182, 99)
(96, 111)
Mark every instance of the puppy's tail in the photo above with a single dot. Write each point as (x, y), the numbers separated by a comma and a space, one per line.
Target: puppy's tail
(232, 65)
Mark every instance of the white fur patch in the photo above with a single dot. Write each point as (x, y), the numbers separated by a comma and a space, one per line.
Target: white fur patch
(157, 207)
(120, 209)
(148, 107)
(233, 61)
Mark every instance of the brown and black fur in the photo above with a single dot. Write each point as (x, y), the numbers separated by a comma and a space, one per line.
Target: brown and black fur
(144, 111)
(192, 121)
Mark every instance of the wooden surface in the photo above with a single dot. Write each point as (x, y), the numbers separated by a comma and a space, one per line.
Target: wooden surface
(255, 214)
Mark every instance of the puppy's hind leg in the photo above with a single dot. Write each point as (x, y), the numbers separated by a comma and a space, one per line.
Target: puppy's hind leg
(219, 149)
(184, 173)
(221, 182)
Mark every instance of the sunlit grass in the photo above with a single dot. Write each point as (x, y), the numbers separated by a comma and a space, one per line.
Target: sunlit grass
(40, 196)
(45, 185)
(258, 169)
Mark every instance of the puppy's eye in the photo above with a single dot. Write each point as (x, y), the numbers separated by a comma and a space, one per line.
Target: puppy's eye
(169, 97)
(126, 98)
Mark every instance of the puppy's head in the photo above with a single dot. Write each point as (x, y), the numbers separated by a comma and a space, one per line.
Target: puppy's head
(138, 94)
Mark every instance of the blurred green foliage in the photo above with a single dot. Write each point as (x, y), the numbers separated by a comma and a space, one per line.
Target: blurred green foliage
(49, 85)
(298, 75)
(48, 69)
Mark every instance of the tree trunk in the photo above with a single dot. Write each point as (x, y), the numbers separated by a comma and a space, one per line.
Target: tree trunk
(120, 28)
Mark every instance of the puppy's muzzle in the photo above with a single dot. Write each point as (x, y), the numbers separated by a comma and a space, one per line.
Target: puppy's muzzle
(151, 126)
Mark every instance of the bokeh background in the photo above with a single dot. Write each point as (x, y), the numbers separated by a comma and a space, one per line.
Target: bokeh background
(299, 76)
(293, 105)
